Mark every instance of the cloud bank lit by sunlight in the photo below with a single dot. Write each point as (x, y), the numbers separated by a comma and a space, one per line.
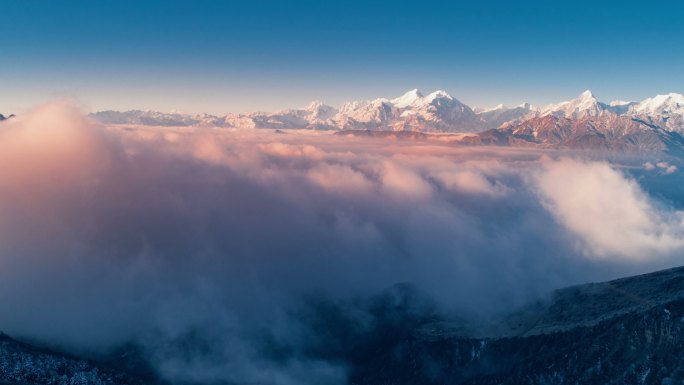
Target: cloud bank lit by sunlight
(153, 235)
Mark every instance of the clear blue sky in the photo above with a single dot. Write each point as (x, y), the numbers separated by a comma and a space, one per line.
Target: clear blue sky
(221, 56)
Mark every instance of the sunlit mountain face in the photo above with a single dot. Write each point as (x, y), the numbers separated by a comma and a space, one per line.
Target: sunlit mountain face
(176, 210)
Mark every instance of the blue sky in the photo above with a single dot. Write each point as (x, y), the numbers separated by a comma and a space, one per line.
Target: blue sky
(222, 56)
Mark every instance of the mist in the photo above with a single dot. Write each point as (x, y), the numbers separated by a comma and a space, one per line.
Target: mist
(227, 242)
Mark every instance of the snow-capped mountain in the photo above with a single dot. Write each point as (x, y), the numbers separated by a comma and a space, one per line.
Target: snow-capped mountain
(662, 110)
(660, 105)
(375, 114)
(607, 131)
(666, 111)
(315, 116)
(648, 124)
(408, 99)
(582, 106)
(148, 118)
(319, 111)
(412, 111)
(495, 117)
(653, 125)
(438, 111)
(620, 107)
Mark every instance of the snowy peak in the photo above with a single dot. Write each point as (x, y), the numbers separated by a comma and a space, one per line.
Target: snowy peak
(439, 94)
(319, 111)
(587, 95)
(666, 111)
(414, 111)
(438, 111)
(620, 103)
(415, 98)
(407, 99)
(498, 107)
(607, 132)
(501, 114)
(620, 107)
(584, 105)
(314, 105)
(661, 105)
(502, 108)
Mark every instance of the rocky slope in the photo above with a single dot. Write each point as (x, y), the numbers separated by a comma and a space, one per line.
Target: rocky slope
(627, 331)
(603, 132)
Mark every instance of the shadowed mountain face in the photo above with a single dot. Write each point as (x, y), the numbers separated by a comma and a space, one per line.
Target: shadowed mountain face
(627, 331)
(640, 347)
(21, 363)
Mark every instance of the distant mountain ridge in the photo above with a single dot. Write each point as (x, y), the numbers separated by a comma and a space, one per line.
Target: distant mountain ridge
(609, 132)
(435, 112)
(413, 111)
(653, 125)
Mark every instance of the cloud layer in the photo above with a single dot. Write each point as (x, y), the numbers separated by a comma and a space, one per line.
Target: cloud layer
(218, 240)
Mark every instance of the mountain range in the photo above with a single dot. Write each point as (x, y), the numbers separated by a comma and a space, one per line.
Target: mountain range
(436, 112)
(413, 111)
(653, 124)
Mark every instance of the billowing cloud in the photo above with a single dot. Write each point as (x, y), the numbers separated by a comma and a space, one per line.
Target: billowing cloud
(211, 249)
(608, 211)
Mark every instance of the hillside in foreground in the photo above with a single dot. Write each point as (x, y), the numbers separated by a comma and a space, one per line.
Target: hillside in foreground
(626, 331)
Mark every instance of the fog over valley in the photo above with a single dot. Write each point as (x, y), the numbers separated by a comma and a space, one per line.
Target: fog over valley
(249, 256)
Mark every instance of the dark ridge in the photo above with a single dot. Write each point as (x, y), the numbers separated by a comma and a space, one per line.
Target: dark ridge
(625, 331)
(24, 363)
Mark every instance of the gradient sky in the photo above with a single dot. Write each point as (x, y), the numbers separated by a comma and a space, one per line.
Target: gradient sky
(231, 56)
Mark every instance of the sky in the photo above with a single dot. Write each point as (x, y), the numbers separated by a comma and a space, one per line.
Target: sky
(233, 56)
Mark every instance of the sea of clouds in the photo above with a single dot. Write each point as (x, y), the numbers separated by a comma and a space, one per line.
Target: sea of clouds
(220, 240)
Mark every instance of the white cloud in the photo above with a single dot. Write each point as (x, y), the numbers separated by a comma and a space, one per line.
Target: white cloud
(340, 179)
(665, 167)
(472, 182)
(608, 211)
(152, 234)
(403, 183)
